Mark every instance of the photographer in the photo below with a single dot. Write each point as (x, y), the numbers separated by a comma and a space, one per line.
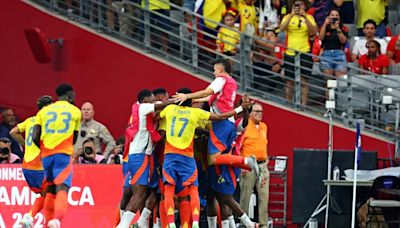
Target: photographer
(6, 157)
(116, 155)
(333, 36)
(299, 27)
(88, 155)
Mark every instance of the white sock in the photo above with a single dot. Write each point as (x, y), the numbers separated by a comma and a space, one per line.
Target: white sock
(126, 219)
(232, 223)
(157, 224)
(212, 221)
(143, 217)
(246, 220)
(121, 214)
(172, 225)
(225, 223)
(195, 224)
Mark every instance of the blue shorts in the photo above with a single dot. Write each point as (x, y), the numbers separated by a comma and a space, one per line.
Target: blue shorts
(139, 168)
(125, 168)
(58, 169)
(222, 135)
(155, 177)
(34, 178)
(223, 179)
(333, 60)
(179, 170)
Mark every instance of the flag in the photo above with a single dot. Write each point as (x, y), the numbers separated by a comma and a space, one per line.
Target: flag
(358, 142)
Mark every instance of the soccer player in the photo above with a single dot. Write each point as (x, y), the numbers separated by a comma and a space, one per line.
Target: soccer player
(139, 138)
(32, 167)
(55, 132)
(180, 167)
(221, 94)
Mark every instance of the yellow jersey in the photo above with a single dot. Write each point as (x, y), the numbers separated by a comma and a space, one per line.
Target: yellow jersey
(58, 122)
(227, 39)
(157, 4)
(297, 34)
(181, 125)
(248, 15)
(32, 159)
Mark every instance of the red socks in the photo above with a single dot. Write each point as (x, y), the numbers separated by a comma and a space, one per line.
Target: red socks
(37, 206)
(49, 206)
(231, 160)
(194, 202)
(60, 205)
(163, 215)
(169, 202)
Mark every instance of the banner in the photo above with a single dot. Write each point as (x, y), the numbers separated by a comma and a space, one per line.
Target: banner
(93, 198)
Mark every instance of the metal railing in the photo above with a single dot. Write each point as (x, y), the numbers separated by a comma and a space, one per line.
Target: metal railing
(179, 35)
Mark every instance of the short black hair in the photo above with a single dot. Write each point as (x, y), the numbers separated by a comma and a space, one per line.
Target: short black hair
(159, 91)
(44, 101)
(225, 64)
(188, 102)
(369, 21)
(143, 94)
(63, 89)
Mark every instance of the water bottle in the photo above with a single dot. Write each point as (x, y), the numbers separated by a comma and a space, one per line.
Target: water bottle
(336, 173)
(313, 223)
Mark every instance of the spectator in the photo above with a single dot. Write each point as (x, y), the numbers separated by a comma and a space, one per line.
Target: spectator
(393, 50)
(374, 61)
(88, 153)
(90, 128)
(6, 155)
(299, 27)
(161, 94)
(271, 14)
(267, 61)
(372, 10)
(159, 16)
(228, 37)
(116, 156)
(322, 9)
(255, 143)
(334, 37)
(8, 122)
(248, 16)
(360, 47)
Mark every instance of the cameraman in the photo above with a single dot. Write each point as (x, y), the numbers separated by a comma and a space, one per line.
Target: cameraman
(116, 155)
(6, 157)
(88, 154)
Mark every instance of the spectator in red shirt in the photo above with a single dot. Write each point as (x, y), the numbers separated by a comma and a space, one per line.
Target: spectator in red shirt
(393, 50)
(374, 61)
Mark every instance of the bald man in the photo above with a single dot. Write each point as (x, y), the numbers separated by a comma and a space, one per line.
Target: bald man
(90, 128)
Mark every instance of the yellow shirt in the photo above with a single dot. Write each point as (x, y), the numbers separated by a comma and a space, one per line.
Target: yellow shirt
(181, 126)
(255, 141)
(58, 122)
(228, 38)
(212, 10)
(248, 15)
(32, 159)
(371, 9)
(297, 36)
(157, 4)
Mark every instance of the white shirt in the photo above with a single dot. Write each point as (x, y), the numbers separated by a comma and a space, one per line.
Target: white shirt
(360, 47)
(142, 142)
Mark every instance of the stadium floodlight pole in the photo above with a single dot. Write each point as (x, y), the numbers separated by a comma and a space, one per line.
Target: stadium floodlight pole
(330, 107)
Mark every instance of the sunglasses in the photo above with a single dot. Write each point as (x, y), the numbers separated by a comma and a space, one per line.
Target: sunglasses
(258, 111)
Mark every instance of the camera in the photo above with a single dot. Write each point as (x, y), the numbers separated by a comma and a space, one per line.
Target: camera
(4, 150)
(334, 20)
(88, 150)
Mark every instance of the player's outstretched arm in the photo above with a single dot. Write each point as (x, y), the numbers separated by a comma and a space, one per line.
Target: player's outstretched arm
(162, 105)
(181, 97)
(16, 134)
(37, 131)
(245, 105)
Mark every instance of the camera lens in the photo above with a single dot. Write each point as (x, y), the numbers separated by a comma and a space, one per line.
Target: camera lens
(4, 150)
(87, 150)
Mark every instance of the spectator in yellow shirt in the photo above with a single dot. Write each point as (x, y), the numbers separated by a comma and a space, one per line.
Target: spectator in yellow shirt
(248, 14)
(228, 37)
